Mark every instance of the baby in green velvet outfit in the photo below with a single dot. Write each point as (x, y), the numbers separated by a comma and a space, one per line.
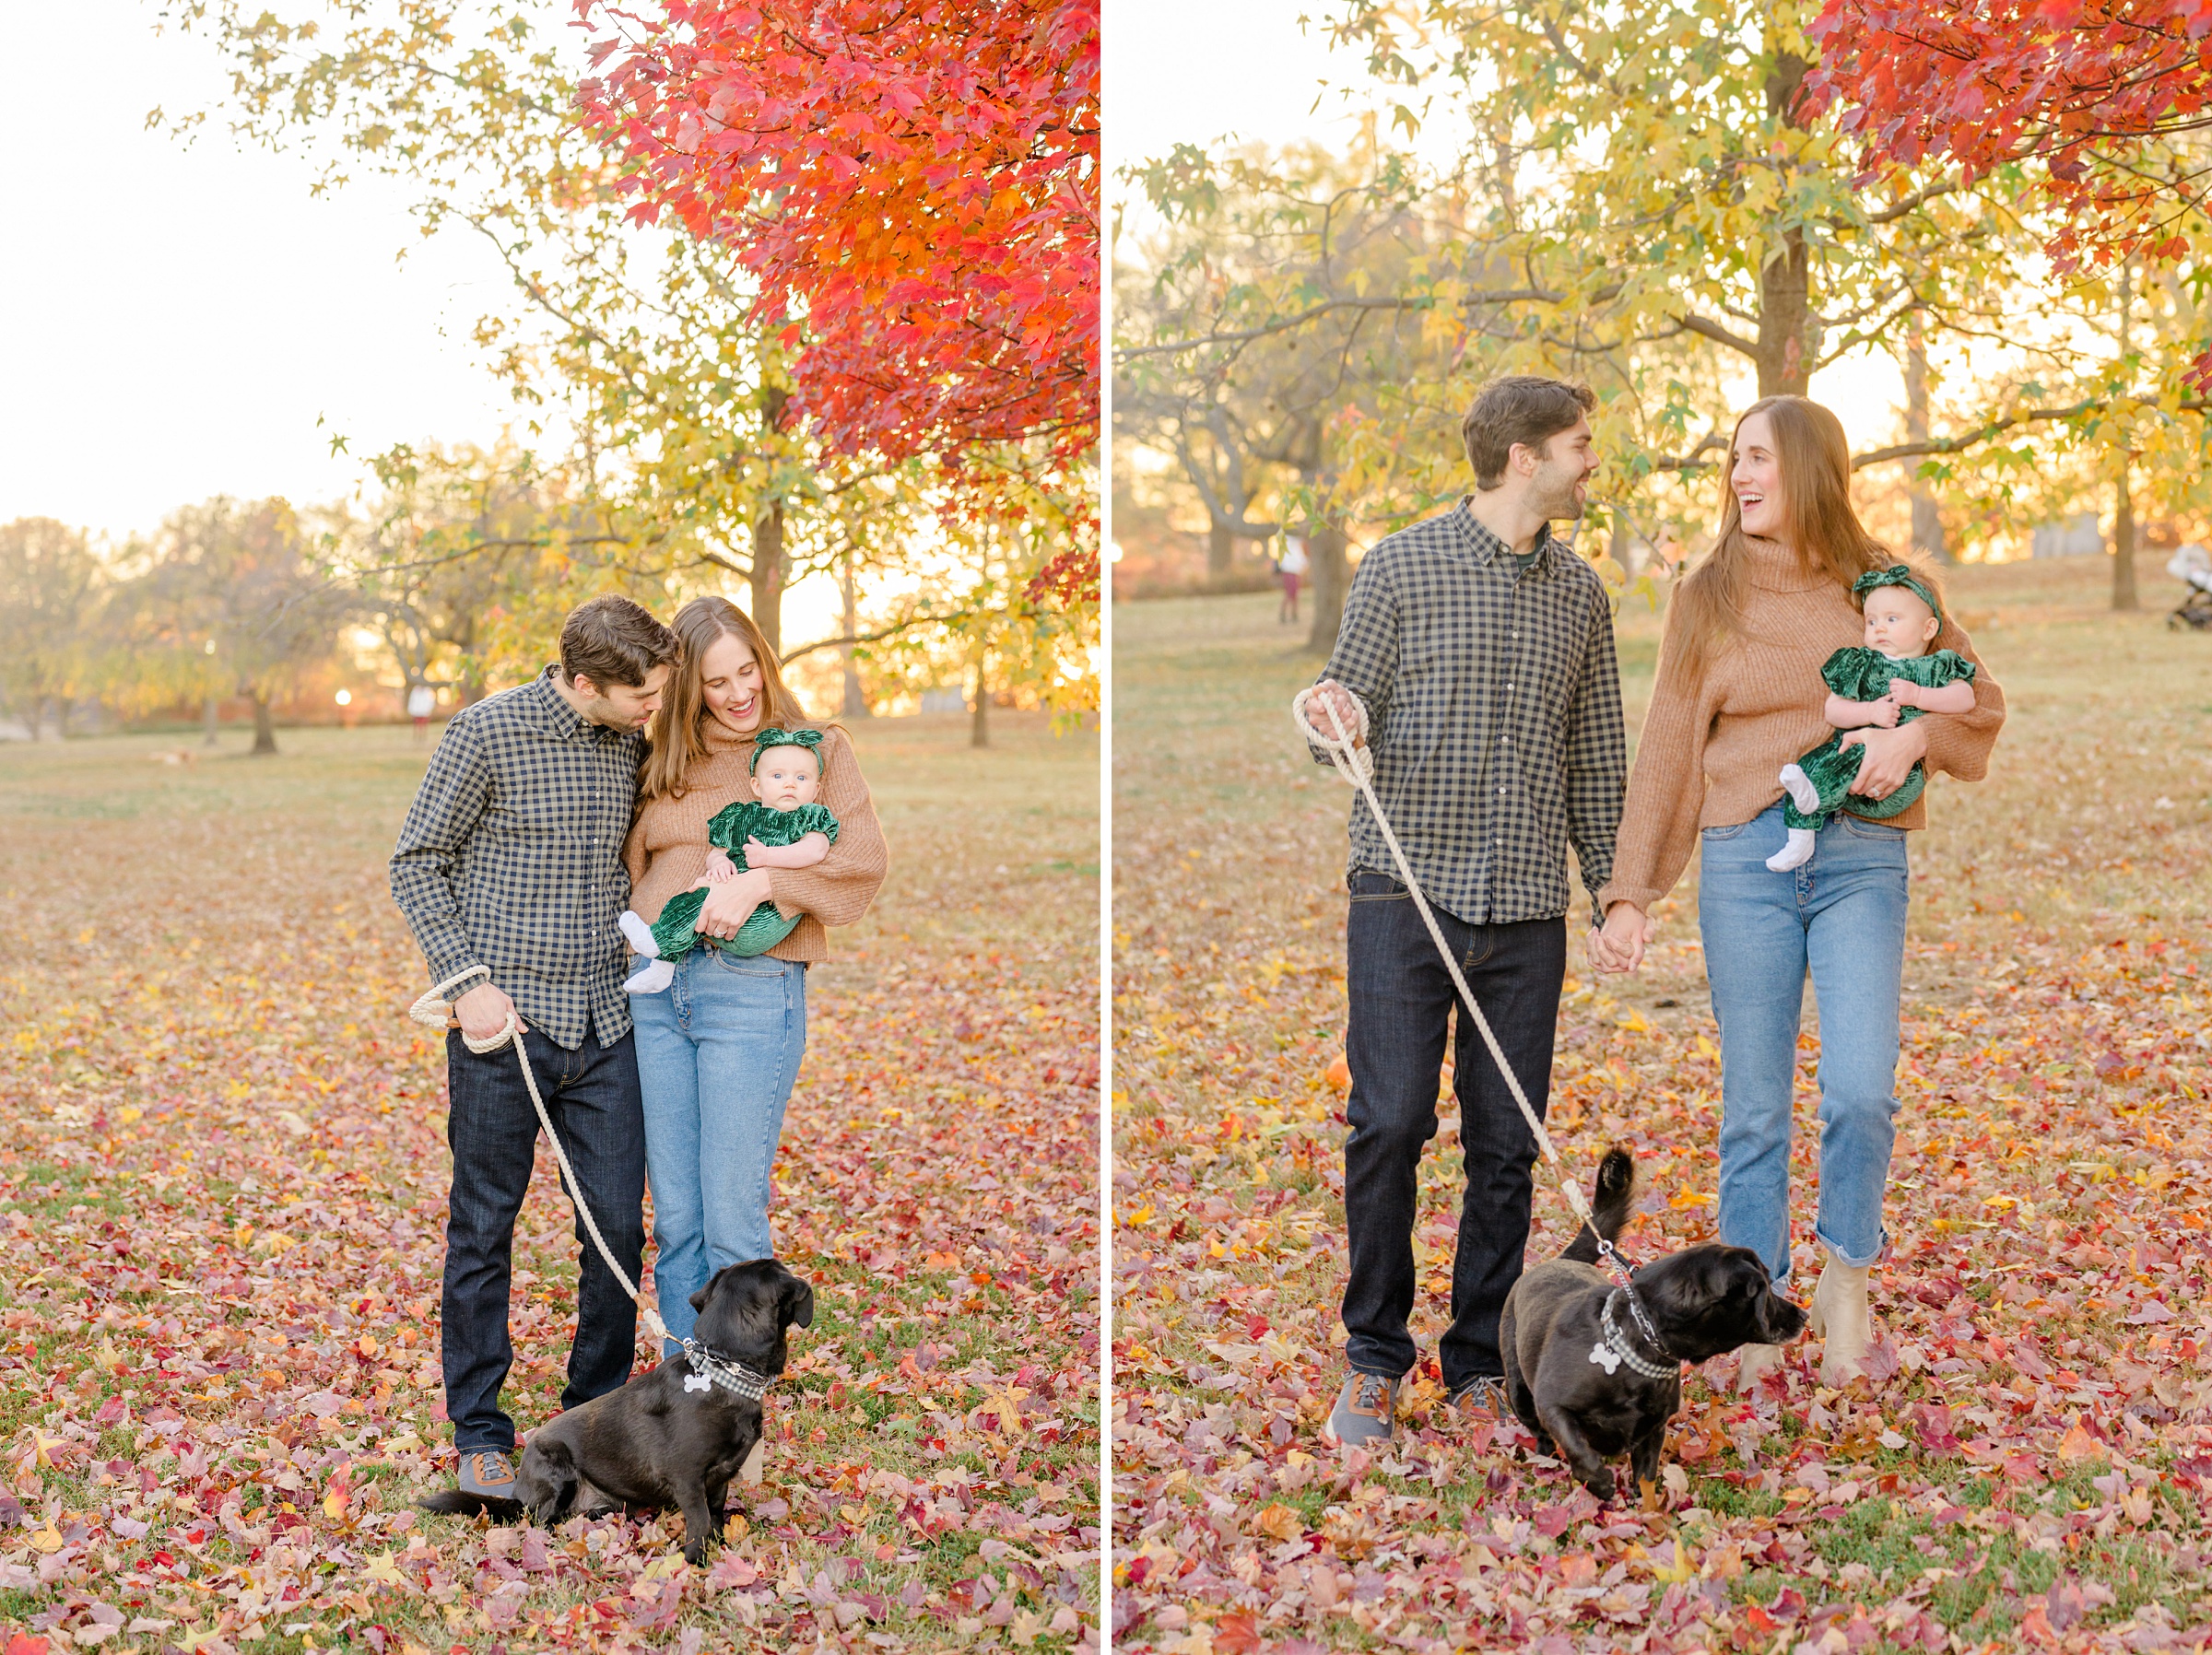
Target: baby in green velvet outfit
(1889, 680)
(780, 826)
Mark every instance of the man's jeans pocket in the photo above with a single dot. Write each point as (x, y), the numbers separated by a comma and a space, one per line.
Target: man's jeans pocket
(1365, 887)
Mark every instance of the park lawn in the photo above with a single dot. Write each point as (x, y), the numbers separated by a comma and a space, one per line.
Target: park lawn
(222, 1180)
(2035, 1464)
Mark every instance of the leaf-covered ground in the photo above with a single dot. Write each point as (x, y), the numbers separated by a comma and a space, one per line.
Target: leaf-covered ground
(2034, 1468)
(222, 1184)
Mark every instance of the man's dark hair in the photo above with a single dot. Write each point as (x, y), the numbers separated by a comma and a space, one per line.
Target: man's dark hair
(1519, 407)
(611, 641)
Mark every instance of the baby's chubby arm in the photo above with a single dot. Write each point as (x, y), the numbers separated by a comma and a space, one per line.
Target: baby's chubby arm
(1843, 715)
(810, 848)
(1950, 698)
(719, 868)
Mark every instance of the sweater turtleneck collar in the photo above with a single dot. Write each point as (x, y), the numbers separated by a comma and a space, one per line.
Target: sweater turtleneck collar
(719, 737)
(1773, 567)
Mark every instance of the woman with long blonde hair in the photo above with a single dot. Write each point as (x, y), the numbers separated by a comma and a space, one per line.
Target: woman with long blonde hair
(1739, 695)
(719, 1052)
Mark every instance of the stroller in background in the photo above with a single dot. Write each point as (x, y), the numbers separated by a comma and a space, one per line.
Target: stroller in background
(2193, 567)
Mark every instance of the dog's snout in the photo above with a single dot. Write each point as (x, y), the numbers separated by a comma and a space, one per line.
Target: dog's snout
(1779, 1320)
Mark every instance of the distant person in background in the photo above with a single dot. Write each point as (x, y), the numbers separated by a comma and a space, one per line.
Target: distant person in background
(1291, 567)
(422, 700)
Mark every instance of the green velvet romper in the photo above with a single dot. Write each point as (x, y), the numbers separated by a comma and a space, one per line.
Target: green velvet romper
(1859, 674)
(675, 930)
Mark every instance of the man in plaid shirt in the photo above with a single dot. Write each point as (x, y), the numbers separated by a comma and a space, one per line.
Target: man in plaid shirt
(511, 862)
(1481, 648)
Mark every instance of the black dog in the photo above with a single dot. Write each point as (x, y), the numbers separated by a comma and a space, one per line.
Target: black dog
(671, 1437)
(1572, 1379)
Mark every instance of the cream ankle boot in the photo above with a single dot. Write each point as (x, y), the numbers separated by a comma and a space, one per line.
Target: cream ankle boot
(1753, 1363)
(1840, 1321)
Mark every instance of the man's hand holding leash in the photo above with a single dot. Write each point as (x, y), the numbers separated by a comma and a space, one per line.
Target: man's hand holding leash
(482, 1013)
(1329, 695)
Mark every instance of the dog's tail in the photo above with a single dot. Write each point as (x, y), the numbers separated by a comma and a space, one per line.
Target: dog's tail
(453, 1502)
(1611, 1202)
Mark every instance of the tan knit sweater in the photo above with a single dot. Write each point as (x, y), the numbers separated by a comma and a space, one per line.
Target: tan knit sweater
(668, 847)
(1712, 750)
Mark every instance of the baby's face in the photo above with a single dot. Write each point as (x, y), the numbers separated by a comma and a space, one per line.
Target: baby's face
(1898, 624)
(787, 778)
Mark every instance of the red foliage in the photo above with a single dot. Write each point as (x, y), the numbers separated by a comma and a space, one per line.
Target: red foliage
(913, 185)
(2077, 85)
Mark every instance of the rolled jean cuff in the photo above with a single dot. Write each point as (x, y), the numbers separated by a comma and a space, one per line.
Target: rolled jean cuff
(1843, 1257)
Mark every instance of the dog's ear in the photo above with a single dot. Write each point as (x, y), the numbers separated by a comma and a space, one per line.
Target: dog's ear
(796, 1302)
(699, 1299)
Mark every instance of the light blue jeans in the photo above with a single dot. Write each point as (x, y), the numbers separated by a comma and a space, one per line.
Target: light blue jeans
(717, 1055)
(1843, 914)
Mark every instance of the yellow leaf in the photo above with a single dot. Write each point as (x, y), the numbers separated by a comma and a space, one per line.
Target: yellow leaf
(46, 1540)
(2078, 1444)
(1281, 1522)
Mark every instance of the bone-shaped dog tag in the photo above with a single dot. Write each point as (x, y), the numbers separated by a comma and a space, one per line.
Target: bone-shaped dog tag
(697, 1381)
(1604, 1355)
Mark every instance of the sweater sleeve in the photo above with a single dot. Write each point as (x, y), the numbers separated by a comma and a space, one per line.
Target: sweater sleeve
(838, 889)
(1666, 787)
(1959, 743)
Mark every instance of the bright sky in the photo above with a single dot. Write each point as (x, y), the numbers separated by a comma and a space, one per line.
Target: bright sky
(180, 319)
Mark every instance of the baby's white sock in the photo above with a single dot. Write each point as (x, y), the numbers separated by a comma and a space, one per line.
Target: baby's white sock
(651, 977)
(1795, 854)
(639, 935)
(1799, 786)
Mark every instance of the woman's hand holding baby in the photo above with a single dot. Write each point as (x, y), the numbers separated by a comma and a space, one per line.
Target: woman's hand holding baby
(1891, 756)
(729, 904)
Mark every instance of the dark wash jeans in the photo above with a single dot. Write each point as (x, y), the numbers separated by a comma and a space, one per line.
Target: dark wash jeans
(1401, 1002)
(592, 1095)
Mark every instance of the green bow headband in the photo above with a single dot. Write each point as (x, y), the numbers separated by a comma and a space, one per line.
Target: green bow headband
(1896, 574)
(773, 737)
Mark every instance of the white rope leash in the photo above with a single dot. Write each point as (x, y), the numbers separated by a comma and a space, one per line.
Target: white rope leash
(1348, 759)
(432, 1012)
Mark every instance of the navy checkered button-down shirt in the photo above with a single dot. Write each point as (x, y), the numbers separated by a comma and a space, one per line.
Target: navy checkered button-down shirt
(1493, 704)
(511, 858)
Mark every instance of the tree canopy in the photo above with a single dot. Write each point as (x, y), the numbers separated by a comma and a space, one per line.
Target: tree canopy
(915, 188)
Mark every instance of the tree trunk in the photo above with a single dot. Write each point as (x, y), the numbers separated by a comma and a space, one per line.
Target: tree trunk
(1927, 522)
(265, 730)
(979, 726)
(1220, 550)
(2124, 507)
(768, 574)
(1332, 576)
(1788, 328)
(40, 707)
(211, 722)
(2123, 541)
(855, 700)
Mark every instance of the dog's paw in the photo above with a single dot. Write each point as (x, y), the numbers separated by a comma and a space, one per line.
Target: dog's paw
(1601, 1484)
(694, 1553)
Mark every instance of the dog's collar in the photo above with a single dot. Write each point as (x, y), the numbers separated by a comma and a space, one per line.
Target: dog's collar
(709, 1370)
(1615, 1348)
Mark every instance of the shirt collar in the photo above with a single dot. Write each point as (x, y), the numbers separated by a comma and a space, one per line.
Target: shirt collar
(1487, 547)
(562, 721)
